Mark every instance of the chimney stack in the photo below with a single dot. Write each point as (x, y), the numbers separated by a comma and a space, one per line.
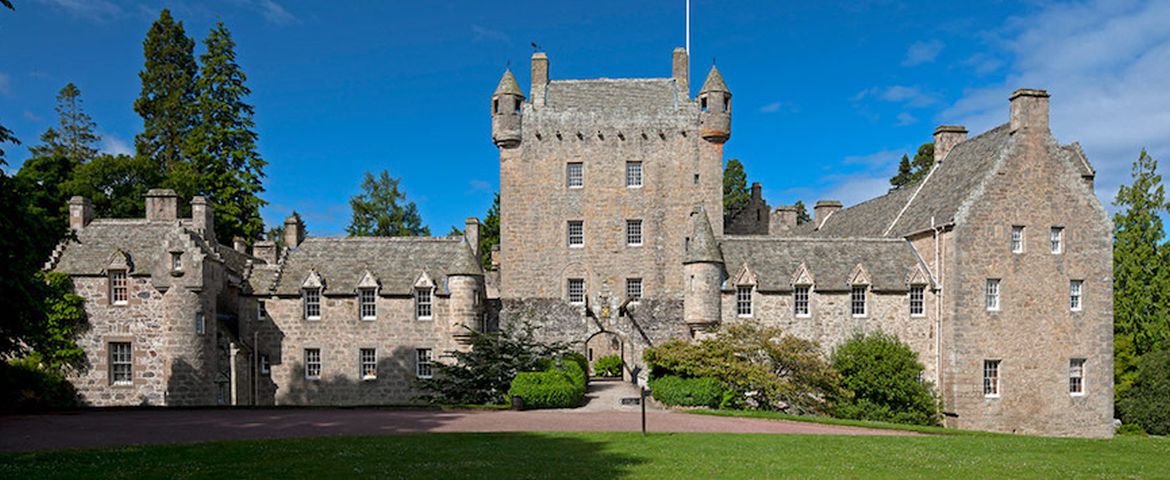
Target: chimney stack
(239, 245)
(1029, 110)
(265, 250)
(471, 233)
(945, 139)
(783, 219)
(757, 196)
(162, 204)
(203, 218)
(823, 209)
(80, 212)
(680, 66)
(495, 257)
(294, 231)
(539, 78)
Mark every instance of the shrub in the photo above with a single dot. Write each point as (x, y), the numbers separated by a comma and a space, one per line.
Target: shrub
(580, 361)
(1131, 429)
(687, 392)
(881, 376)
(1147, 402)
(573, 370)
(28, 384)
(608, 366)
(762, 368)
(553, 388)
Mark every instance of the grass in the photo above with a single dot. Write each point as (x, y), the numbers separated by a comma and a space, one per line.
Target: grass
(840, 421)
(613, 455)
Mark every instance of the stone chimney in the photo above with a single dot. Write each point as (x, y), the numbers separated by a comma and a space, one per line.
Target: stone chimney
(783, 219)
(945, 139)
(471, 233)
(80, 212)
(265, 250)
(1029, 110)
(757, 196)
(203, 218)
(294, 231)
(823, 209)
(680, 70)
(162, 204)
(539, 78)
(239, 245)
(495, 259)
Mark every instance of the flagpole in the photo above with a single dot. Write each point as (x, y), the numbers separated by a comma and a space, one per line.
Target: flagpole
(688, 31)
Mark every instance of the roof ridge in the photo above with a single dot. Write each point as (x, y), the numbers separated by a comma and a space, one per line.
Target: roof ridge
(760, 238)
(608, 79)
(404, 239)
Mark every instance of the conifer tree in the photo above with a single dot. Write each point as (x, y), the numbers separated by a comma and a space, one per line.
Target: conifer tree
(222, 144)
(489, 232)
(802, 216)
(383, 211)
(903, 176)
(168, 92)
(911, 171)
(73, 137)
(735, 188)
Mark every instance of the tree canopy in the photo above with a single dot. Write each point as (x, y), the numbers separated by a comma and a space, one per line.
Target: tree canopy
(735, 188)
(74, 137)
(168, 93)
(382, 210)
(911, 171)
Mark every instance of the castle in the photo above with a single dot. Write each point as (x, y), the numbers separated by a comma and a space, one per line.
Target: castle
(996, 268)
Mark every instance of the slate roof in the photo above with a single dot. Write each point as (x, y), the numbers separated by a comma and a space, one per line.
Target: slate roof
(508, 85)
(703, 247)
(144, 242)
(613, 95)
(831, 261)
(714, 82)
(397, 262)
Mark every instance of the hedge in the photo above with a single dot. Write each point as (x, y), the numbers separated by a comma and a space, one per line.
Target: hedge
(687, 392)
(562, 387)
(1147, 402)
(581, 362)
(608, 366)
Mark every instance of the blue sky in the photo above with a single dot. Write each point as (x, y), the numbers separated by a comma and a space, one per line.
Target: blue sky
(827, 95)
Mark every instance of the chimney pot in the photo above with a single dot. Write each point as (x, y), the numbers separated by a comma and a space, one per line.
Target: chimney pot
(294, 231)
(1029, 110)
(783, 219)
(823, 209)
(203, 218)
(945, 139)
(680, 71)
(539, 78)
(471, 233)
(80, 212)
(162, 204)
(265, 250)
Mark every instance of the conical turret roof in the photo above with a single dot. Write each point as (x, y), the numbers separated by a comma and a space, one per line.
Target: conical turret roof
(508, 85)
(465, 262)
(714, 83)
(703, 248)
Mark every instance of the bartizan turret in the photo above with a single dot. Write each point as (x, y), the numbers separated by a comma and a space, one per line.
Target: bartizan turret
(703, 269)
(465, 284)
(715, 108)
(507, 101)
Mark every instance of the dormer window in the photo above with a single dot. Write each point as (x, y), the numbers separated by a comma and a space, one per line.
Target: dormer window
(311, 297)
(119, 290)
(423, 307)
(857, 300)
(367, 303)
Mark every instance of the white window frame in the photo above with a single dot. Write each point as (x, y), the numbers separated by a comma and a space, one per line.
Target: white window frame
(575, 233)
(368, 363)
(261, 310)
(991, 378)
(368, 303)
(1076, 377)
(634, 174)
(1056, 240)
(743, 301)
(918, 298)
(121, 363)
(575, 175)
(1017, 239)
(311, 301)
(634, 290)
(424, 303)
(424, 363)
(312, 364)
(575, 296)
(991, 294)
(801, 298)
(1076, 292)
(634, 233)
(859, 296)
(200, 323)
(119, 287)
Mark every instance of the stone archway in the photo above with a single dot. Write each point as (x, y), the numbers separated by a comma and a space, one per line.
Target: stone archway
(605, 343)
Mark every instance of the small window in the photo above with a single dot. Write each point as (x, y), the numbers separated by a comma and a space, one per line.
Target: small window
(727, 104)
(743, 300)
(516, 104)
(495, 105)
(1076, 377)
(1074, 294)
(265, 365)
(575, 174)
(422, 304)
(576, 291)
(634, 233)
(1056, 239)
(119, 290)
(367, 303)
(423, 363)
(634, 174)
(917, 300)
(176, 261)
(576, 233)
(312, 301)
(312, 363)
(703, 104)
(634, 289)
(857, 303)
(696, 180)
(991, 378)
(121, 364)
(261, 310)
(200, 323)
(368, 358)
(800, 300)
(1017, 239)
(992, 294)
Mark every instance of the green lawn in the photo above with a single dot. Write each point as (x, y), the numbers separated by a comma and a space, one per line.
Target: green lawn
(613, 455)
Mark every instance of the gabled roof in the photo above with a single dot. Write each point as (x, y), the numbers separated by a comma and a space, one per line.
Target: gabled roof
(144, 242)
(832, 262)
(397, 262)
(613, 95)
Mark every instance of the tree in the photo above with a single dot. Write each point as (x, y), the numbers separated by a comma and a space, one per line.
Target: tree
(911, 171)
(735, 188)
(882, 376)
(802, 216)
(222, 144)
(383, 211)
(904, 172)
(489, 232)
(276, 234)
(168, 93)
(74, 136)
(115, 184)
(1147, 403)
(43, 179)
(64, 316)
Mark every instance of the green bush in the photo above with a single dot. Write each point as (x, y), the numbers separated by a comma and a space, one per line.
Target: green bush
(581, 362)
(882, 378)
(1147, 402)
(687, 392)
(573, 370)
(554, 388)
(27, 384)
(1131, 429)
(608, 366)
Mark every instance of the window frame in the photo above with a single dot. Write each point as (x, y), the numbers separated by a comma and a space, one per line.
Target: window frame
(1076, 377)
(634, 171)
(634, 237)
(859, 294)
(1076, 295)
(310, 303)
(200, 323)
(176, 261)
(119, 282)
(371, 362)
(577, 168)
(1056, 240)
(261, 310)
(424, 361)
(802, 297)
(313, 366)
(1017, 239)
(992, 380)
(265, 365)
(367, 307)
(569, 291)
(991, 295)
(744, 301)
(121, 363)
(634, 295)
(920, 301)
(579, 236)
(424, 303)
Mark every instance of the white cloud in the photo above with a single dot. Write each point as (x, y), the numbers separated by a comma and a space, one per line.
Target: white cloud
(115, 146)
(479, 186)
(876, 160)
(983, 63)
(905, 119)
(99, 10)
(771, 107)
(1106, 65)
(910, 96)
(854, 189)
(275, 13)
(481, 33)
(922, 52)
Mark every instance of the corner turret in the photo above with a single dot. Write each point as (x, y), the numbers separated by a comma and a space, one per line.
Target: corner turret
(715, 108)
(465, 284)
(506, 103)
(703, 269)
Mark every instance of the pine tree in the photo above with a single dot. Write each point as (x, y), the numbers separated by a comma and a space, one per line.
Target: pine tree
(489, 233)
(904, 173)
(735, 188)
(383, 211)
(168, 92)
(922, 163)
(222, 144)
(802, 216)
(74, 136)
